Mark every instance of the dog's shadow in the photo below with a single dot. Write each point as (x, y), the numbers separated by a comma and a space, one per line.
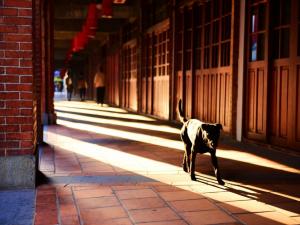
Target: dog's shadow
(244, 191)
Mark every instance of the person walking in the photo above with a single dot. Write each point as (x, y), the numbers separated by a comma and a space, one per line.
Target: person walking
(99, 84)
(69, 84)
(82, 86)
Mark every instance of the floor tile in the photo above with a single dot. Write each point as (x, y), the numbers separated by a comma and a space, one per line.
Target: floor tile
(207, 217)
(143, 203)
(99, 192)
(153, 215)
(179, 195)
(102, 214)
(192, 205)
(138, 193)
(91, 203)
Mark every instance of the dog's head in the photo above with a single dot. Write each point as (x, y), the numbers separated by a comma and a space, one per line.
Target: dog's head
(211, 134)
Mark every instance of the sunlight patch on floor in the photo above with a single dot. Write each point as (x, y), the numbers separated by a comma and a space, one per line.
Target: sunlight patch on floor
(139, 125)
(178, 145)
(107, 155)
(99, 111)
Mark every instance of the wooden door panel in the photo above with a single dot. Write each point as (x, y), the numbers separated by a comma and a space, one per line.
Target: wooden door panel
(149, 97)
(144, 95)
(214, 90)
(212, 98)
(123, 85)
(251, 101)
(133, 94)
(256, 100)
(161, 97)
(283, 100)
(178, 92)
(127, 94)
(256, 103)
(225, 98)
(261, 100)
(297, 119)
(199, 96)
(188, 97)
(279, 109)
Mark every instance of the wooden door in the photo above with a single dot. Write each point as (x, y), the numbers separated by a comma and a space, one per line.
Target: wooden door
(257, 71)
(161, 75)
(213, 62)
(272, 83)
(147, 74)
(129, 75)
(284, 91)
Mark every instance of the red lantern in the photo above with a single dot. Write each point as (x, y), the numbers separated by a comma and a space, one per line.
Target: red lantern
(89, 32)
(92, 16)
(82, 38)
(75, 44)
(107, 8)
(119, 1)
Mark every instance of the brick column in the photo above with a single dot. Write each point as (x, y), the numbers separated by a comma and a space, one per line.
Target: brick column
(49, 116)
(17, 114)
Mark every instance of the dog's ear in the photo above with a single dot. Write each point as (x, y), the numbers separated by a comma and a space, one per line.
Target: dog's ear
(219, 126)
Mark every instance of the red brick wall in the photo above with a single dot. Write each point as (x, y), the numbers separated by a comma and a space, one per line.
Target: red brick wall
(16, 78)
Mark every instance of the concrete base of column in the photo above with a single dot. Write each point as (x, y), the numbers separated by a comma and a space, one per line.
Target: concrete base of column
(17, 172)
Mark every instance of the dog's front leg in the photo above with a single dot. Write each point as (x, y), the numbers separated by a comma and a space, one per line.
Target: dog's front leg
(186, 158)
(192, 161)
(216, 167)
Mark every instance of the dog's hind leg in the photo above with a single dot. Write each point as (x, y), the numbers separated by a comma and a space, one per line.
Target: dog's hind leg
(192, 161)
(214, 161)
(186, 158)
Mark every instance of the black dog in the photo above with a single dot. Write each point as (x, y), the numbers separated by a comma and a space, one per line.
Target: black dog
(199, 137)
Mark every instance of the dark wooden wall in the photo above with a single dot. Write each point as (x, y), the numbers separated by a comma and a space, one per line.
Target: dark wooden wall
(272, 84)
(113, 84)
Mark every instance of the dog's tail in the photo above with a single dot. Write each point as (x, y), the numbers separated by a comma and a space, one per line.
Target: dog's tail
(180, 112)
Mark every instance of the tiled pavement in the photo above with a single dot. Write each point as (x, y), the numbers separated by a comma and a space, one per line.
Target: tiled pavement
(107, 166)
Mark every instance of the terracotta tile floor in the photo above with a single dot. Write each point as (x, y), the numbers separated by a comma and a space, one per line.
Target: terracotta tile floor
(107, 166)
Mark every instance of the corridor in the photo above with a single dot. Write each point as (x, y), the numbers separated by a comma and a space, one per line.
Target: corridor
(104, 165)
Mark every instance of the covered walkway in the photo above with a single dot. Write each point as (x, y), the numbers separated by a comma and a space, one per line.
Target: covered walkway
(104, 165)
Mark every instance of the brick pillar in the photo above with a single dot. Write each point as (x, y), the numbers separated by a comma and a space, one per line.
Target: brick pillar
(37, 65)
(17, 105)
(49, 116)
(50, 106)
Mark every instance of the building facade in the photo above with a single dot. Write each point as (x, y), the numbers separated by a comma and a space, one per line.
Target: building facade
(231, 62)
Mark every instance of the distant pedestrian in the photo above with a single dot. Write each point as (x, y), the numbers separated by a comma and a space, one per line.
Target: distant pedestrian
(69, 84)
(99, 84)
(82, 86)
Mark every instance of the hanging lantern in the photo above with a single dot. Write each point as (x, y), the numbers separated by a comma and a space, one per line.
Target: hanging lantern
(75, 44)
(91, 33)
(82, 38)
(92, 16)
(119, 1)
(107, 8)
(88, 30)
